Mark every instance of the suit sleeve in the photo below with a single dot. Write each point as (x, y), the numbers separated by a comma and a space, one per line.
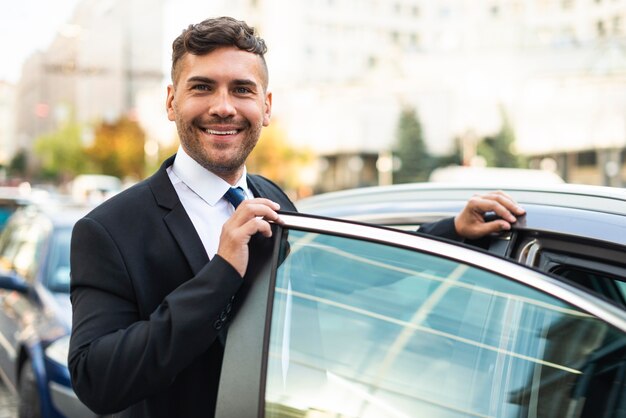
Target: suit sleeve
(443, 228)
(115, 358)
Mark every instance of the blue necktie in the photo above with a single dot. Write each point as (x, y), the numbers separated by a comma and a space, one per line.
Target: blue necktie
(235, 196)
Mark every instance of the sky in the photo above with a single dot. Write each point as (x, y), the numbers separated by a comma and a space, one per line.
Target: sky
(27, 26)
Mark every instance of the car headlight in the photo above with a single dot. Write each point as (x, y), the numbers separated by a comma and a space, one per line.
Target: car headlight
(58, 350)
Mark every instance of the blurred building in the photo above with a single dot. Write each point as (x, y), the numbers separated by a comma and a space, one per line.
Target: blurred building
(342, 70)
(7, 124)
(94, 69)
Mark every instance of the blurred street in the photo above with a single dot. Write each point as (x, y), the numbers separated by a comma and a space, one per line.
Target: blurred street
(8, 402)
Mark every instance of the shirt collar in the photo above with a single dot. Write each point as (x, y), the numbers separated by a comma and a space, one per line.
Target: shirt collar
(207, 185)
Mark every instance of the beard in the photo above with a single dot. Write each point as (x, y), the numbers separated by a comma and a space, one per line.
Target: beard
(221, 159)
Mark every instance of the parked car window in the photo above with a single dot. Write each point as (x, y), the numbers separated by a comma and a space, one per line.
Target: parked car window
(21, 246)
(58, 273)
(370, 330)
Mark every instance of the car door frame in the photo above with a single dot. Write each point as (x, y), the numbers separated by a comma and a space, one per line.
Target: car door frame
(242, 382)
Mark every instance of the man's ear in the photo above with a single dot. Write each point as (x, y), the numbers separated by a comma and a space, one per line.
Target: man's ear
(169, 103)
(268, 108)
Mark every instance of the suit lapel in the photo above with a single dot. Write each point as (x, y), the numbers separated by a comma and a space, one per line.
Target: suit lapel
(261, 187)
(176, 219)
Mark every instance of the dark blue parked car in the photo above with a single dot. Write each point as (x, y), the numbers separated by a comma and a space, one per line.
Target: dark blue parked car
(35, 311)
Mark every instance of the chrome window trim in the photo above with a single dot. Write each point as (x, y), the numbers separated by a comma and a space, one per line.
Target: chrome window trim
(576, 297)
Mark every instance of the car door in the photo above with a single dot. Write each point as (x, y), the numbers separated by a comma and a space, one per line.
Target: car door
(348, 320)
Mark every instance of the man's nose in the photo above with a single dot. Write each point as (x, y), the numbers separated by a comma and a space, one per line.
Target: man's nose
(223, 105)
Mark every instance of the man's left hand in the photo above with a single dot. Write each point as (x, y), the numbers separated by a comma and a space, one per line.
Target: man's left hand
(470, 222)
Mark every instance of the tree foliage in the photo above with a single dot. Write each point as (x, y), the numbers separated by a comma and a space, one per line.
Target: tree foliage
(118, 149)
(60, 153)
(18, 165)
(499, 150)
(455, 157)
(411, 149)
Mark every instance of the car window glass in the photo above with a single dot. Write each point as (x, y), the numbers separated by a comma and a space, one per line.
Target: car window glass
(361, 329)
(58, 272)
(603, 283)
(22, 252)
(14, 238)
(7, 245)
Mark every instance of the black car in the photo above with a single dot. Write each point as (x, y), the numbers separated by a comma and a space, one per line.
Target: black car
(346, 319)
(573, 231)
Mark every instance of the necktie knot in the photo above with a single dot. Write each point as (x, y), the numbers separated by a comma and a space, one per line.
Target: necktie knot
(235, 196)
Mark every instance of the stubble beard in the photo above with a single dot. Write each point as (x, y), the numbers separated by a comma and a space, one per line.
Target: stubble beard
(193, 145)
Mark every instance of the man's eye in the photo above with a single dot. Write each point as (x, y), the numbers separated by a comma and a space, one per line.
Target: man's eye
(242, 90)
(201, 87)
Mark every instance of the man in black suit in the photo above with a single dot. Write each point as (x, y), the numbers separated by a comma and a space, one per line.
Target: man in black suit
(155, 270)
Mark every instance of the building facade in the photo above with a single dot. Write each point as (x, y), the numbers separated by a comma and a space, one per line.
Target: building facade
(93, 70)
(341, 71)
(7, 124)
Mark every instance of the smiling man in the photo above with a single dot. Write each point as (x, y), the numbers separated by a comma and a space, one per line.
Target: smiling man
(156, 269)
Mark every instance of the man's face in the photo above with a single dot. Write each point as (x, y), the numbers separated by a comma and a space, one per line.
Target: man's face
(220, 105)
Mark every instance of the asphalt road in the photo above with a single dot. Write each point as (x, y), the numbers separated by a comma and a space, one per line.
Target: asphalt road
(8, 402)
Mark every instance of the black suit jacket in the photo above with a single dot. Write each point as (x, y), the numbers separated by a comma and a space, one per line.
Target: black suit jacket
(148, 304)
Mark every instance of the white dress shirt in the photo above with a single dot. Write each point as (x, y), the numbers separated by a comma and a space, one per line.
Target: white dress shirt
(202, 194)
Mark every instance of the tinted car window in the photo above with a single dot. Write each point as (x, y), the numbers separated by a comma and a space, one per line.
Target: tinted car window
(361, 329)
(58, 270)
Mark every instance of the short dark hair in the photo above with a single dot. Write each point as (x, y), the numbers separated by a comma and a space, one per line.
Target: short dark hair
(210, 34)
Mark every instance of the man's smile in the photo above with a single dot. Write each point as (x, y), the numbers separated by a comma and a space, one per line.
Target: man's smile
(216, 132)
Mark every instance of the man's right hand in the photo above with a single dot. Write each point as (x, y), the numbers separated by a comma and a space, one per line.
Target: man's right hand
(252, 216)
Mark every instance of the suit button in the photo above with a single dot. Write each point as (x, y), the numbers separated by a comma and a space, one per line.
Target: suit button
(223, 316)
(218, 324)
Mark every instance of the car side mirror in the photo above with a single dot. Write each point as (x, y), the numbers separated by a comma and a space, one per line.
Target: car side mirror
(12, 281)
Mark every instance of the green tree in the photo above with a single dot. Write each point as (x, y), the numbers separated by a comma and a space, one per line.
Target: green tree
(411, 149)
(60, 153)
(118, 149)
(455, 157)
(18, 164)
(499, 150)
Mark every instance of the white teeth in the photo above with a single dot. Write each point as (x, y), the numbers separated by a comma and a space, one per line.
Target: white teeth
(212, 132)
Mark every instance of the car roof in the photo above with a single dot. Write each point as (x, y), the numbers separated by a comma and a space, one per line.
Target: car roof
(59, 214)
(593, 198)
(593, 212)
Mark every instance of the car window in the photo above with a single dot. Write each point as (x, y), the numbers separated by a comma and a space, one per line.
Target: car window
(7, 207)
(21, 247)
(361, 329)
(612, 287)
(58, 270)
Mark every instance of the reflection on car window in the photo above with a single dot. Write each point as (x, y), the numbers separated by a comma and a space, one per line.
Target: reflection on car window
(361, 329)
(21, 247)
(58, 274)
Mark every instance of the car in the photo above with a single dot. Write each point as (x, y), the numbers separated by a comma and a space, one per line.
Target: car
(15, 197)
(574, 231)
(35, 311)
(343, 318)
